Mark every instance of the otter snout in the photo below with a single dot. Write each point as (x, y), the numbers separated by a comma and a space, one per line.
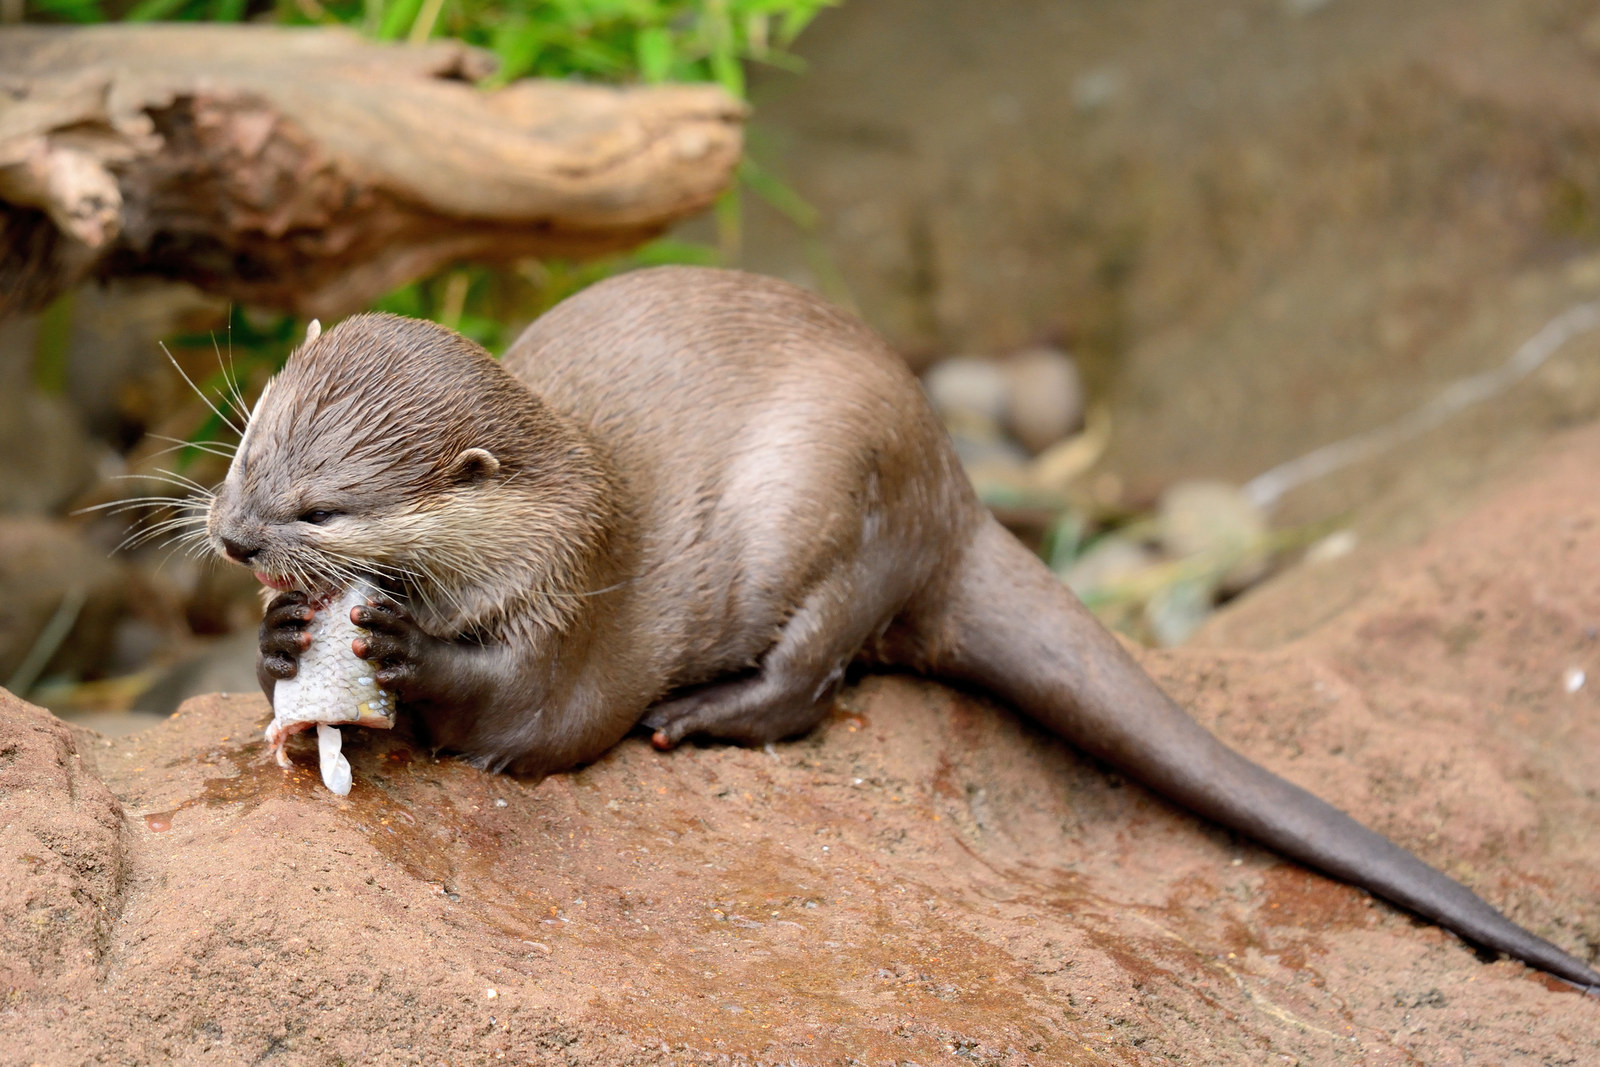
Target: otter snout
(238, 551)
(237, 542)
(233, 536)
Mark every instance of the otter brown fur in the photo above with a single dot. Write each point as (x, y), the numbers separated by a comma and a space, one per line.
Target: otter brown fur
(691, 499)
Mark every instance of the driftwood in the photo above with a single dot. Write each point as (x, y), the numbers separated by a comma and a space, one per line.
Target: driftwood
(311, 170)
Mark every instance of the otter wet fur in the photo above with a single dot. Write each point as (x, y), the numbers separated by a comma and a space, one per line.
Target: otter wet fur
(690, 499)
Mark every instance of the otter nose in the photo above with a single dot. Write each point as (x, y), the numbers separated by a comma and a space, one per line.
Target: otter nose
(240, 553)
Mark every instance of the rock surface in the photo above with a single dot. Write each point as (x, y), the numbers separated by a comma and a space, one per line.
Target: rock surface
(64, 841)
(923, 879)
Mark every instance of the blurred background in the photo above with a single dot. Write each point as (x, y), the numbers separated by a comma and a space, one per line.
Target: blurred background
(1147, 256)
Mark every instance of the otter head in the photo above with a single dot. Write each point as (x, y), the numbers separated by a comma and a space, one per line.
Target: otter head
(397, 450)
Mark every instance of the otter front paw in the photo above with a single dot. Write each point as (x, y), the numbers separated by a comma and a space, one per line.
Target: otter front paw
(283, 636)
(394, 644)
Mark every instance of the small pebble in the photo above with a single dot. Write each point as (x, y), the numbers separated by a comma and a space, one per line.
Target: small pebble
(1573, 680)
(1112, 560)
(1217, 519)
(965, 388)
(1045, 400)
(1177, 611)
(992, 456)
(1097, 88)
(994, 465)
(1335, 545)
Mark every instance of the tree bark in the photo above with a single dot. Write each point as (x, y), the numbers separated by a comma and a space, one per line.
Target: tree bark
(312, 170)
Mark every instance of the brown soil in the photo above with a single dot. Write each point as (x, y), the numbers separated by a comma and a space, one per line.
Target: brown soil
(1260, 226)
(923, 880)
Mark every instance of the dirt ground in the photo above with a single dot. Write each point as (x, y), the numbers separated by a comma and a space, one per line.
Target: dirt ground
(1259, 225)
(925, 879)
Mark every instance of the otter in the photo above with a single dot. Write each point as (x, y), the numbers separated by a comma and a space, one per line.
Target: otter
(690, 499)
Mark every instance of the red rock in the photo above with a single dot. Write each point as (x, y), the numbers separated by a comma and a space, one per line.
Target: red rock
(925, 878)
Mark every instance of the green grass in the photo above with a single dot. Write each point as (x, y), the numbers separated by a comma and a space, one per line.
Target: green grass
(604, 40)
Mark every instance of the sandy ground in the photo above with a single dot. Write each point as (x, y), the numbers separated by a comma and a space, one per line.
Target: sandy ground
(925, 879)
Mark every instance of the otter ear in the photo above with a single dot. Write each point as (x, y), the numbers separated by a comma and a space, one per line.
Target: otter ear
(313, 330)
(473, 465)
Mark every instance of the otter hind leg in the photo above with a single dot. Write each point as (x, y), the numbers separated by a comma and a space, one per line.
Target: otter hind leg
(789, 691)
(750, 711)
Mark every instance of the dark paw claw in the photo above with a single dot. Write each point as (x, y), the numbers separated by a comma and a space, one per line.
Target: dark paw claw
(283, 635)
(381, 618)
(392, 643)
(280, 667)
(392, 677)
(383, 648)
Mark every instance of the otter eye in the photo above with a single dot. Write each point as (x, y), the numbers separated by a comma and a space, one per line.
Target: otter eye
(317, 516)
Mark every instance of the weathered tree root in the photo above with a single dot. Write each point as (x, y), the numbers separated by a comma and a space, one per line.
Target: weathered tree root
(312, 170)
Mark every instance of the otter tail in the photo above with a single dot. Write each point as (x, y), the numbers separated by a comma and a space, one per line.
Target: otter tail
(1010, 626)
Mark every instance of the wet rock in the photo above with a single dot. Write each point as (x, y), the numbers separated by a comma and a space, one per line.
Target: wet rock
(1044, 397)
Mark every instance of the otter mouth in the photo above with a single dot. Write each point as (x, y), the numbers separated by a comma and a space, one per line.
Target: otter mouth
(282, 585)
(318, 596)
